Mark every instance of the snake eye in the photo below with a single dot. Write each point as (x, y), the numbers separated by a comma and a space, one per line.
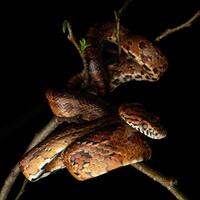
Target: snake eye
(142, 45)
(144, 126)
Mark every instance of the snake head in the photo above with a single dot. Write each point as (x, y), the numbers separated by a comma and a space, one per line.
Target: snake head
(145, 122)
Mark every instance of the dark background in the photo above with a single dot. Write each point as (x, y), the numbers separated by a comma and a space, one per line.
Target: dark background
(35, 55)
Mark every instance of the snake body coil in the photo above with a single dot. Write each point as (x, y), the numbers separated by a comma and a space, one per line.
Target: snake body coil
(108, 133)
(103, 142)
(146, 62)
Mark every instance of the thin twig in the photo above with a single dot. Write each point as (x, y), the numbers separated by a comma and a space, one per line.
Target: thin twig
(188, 23)
(22, 189)
(117, 19)
(169, 183)
(73, 40)
(124, 7)
(41, 135)
(118, 15)
(10, 180)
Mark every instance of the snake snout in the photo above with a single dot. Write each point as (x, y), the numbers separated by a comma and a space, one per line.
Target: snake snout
(155, 132)
(150, 130)
(151, 127)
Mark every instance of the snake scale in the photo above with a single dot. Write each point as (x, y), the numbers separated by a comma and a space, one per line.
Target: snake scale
(140, 59)
(107, 137)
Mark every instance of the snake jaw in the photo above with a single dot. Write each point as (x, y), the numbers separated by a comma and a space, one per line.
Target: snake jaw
(137, 117)
(151, 132)
(159, 133)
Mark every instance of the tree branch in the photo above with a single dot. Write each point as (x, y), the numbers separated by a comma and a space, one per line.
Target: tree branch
(73, 40)
(188, 23)
(169, 183)
(54, 122)
(10, 180)
(22, 189)
(166, 182)
(124, 7)
(117, 30)
(118, 14)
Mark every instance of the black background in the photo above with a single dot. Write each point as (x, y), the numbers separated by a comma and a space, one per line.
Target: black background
(35, 55)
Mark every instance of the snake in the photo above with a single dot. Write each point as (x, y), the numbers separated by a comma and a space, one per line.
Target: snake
(140, 59)
(115, 137)
(105, 139)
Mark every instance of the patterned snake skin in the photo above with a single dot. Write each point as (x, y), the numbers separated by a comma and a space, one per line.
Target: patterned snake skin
(106, 132)
(140, 60)
(107, 139)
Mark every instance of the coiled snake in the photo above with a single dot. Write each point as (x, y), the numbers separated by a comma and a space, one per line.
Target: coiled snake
(140, 59)
(107, 139)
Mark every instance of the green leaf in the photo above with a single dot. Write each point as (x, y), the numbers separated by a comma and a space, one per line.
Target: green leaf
(83, 45)
(64, 26)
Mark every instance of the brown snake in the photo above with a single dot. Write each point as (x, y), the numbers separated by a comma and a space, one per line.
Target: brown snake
(140, 60)
(103, 142)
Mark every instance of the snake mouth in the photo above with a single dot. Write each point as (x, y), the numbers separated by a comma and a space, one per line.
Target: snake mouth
(153, 132)
(143, 121)
(156, 134)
